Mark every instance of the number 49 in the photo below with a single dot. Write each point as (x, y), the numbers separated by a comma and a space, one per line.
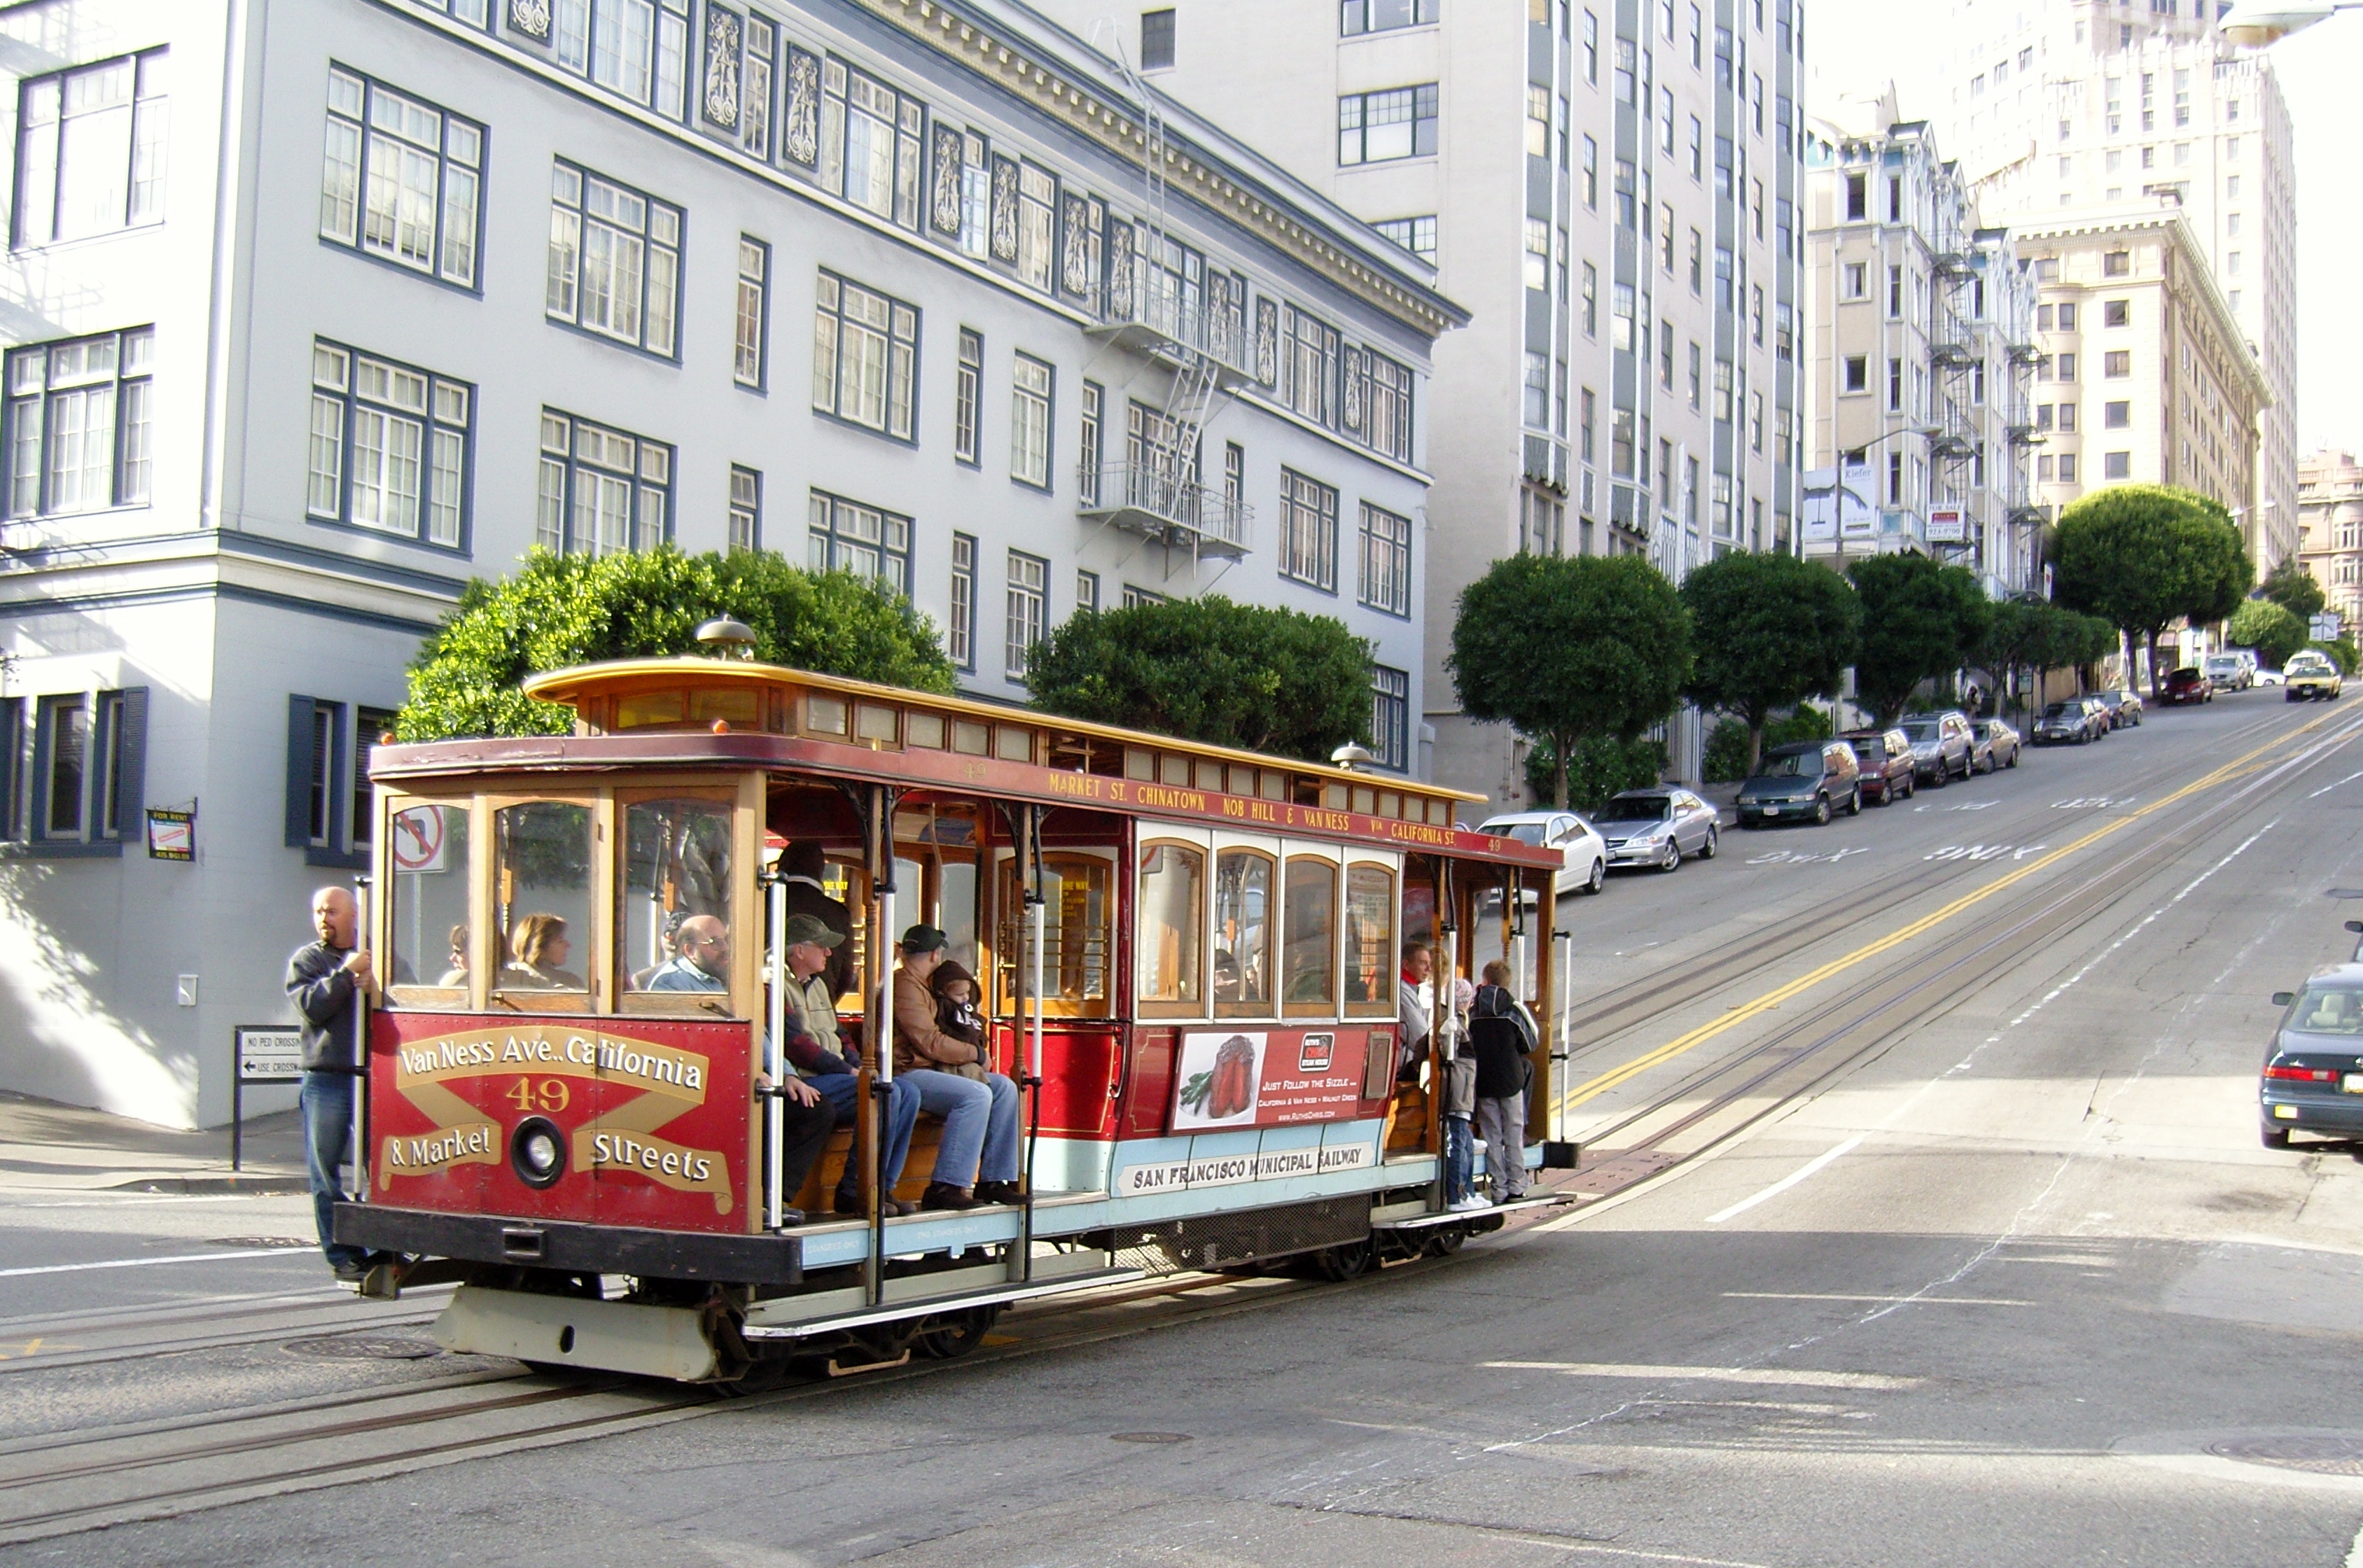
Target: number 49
(550, 1094)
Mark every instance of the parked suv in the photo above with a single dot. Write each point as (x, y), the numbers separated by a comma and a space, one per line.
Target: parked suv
(1942, 747)
(1885, 758)
(2229, 671)
(2187, 685)
(2124, 708)
(1803, 781)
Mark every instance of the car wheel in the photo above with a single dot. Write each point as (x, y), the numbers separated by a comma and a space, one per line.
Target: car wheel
(1599, 878)
(1854, 802)
(1714, 842)
(1820, 811)
(2013, 758)
(1943, 777)
(1912, 786)
(2276, 1136)
(1672, 859)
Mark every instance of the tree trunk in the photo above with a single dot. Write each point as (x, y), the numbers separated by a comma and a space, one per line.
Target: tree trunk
(1559, 747)
(2152, 637)
(1755, 741)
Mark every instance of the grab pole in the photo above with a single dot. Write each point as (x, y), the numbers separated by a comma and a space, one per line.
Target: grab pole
(775, 1019)
(361, 1048)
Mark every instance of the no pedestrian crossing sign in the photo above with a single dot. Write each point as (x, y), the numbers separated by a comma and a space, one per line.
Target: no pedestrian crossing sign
(2325, 626)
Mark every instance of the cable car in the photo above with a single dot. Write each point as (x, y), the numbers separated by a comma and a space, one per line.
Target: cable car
(1189, 957)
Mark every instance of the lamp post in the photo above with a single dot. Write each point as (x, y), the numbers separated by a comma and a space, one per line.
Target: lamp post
(2259, 24)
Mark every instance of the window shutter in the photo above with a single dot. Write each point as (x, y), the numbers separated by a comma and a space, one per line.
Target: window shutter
(299, 772)
(131, 767)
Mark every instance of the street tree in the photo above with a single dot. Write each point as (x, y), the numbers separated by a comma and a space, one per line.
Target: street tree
(2142, 557)
(557, 611)
(1770, 630)
(2291, 587)
(2269, 628)
(1211, 669)
(1919, 621)
(1570, 650)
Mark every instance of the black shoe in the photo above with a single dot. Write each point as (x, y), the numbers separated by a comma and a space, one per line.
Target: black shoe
(940, 1196)
(848, 1201)
(791, 1218)
(999, 1192)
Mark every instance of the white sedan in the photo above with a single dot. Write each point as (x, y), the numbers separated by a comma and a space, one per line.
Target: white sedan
(1583, 853)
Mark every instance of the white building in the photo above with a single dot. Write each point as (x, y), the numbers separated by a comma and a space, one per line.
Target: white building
(2081, 104)
(301, 346)
(1920, 350)
(1611, 190)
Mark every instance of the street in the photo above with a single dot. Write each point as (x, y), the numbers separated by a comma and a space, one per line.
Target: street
(1928, 1223)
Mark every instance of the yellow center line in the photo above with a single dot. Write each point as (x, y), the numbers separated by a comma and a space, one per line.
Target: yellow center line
(1601, 1084)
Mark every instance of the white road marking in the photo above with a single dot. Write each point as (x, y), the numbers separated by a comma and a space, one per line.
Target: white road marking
(1915, 1300)
(2354, 1552)
(151, 1263)
(1794, 1378)
(2326, 788)
(1805, 1173)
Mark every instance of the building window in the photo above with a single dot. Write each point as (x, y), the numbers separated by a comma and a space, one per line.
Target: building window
(2067, 468)
(1542, 521)
(1386, 561)
(401, 180)
(1857, 198)
(1416, 235)
(2117, 264)
(1027, 575)
(328, 808)
(1390, 718)
(1308, 531)
(63, 744)
(80, 436)
(1133, 598)
(1029, 422)
(865, 348)
(1309, 355)
(1590, 174)
(968, 394)
(2064, 367)
(1857, 372)
(1356, 17)
(389, 446)
(1373, 127)
(1235, 475)
(2116, 415)
(1157, 40)
(866, 541)
(1589, 301)
(1591, 49)
(959, 640)
(870, 144)
(601, 491)
(86, 781)
(753, 320)
(1378, 403)
(1087, 592)
(90, 150)
(2115, 364)
(746, 508)
(2116, 465)
(636, 48)
(614, 260)
(1090, 445)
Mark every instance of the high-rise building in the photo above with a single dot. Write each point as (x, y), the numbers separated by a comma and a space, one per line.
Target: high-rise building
(1919, 352)
(302, 342)
(2143, 374)
(2330, 531)
(1611, 190)
(2056, 105)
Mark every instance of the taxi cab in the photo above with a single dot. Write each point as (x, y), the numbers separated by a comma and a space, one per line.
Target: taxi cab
(2311, 675)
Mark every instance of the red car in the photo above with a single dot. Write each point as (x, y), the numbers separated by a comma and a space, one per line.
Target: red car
(2187, 684)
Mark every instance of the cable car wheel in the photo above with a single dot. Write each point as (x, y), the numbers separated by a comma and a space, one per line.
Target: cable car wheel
(1445, 1239)
(946, 1336)
(1348, 1260)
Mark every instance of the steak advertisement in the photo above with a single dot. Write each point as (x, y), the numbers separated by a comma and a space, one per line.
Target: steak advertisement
(1227, 1078)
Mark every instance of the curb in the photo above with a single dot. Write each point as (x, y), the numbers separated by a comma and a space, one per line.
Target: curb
(253, 1185)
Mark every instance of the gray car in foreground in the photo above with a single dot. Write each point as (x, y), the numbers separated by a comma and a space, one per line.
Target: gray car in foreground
(2313, 1076)
(1657, 828)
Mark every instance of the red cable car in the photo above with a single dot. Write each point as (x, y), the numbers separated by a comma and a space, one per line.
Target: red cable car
(1188, 960)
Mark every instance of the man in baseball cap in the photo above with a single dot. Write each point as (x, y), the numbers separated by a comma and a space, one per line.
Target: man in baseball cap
(819, 1054)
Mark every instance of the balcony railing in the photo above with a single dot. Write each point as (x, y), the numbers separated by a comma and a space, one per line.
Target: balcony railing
(1156, 500)
(1153, 312)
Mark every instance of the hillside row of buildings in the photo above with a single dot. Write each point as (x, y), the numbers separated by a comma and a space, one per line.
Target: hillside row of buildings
(316, 312)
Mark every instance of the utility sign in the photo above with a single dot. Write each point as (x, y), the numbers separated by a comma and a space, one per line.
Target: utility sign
(419, 838)
(2325, 626)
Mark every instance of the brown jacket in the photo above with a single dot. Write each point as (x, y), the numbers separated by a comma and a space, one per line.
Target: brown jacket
(918, 1041)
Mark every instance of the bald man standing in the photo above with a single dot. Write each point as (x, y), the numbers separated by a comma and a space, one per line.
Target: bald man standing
(325, 980)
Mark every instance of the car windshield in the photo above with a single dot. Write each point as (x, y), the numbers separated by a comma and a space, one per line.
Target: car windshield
(2307, 665)
(1923, 731)
(1525, 833)
(2111, 699)
(2328, 1010)
(1870, 751)
(2064, 711)
(1639, 809)
(1791, 764)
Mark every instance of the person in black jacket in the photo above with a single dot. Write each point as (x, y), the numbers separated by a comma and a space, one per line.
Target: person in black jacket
(1502, 1037)
(325, 980)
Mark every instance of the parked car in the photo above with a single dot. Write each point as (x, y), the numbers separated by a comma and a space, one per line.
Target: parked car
(1584, 853)
(1943, 748)
(2077, 721)
(2227, 671)
(2311, 675)
(2124, 708)
(1803, 781)
(2313, 1074)
(2187, 685)
(1884, 760)
(1658, 827)
(2000, 744)
(2267, 676)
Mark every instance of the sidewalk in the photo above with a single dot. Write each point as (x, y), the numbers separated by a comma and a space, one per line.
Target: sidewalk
(48, 1147)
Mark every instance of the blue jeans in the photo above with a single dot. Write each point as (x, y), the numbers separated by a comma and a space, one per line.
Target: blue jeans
(980, 1141)
(326, 1103)
(1459, 1159)
(843, 1092)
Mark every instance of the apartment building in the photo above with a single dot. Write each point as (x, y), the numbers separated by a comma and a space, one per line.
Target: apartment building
(2057, 104)
(1611, 190)
(2330, 530)
(1920, 355)
(321, 310)
(2143, 373)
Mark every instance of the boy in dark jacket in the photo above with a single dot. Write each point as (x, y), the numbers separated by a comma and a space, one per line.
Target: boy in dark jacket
(1502, 1037)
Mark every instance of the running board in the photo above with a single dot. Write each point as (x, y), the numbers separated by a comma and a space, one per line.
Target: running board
(1424, 1222)
(930, 1307)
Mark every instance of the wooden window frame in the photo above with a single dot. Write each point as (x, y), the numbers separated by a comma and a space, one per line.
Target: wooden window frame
(1328, 1007)
(742, 915)
(469, 998)
(1200, 919)
(1275, 893)
(1385, 1004)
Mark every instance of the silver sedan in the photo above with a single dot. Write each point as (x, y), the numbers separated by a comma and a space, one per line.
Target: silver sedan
(1659, 828)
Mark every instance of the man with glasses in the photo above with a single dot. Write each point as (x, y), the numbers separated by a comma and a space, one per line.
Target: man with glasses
(701, 958)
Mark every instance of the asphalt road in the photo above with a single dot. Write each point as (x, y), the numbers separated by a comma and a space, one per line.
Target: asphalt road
(2004, 1276)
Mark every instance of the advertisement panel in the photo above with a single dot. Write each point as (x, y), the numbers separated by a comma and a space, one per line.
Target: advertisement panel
(1946, 526)
(1269, 1077)
(614, 1120)
(1840, 504)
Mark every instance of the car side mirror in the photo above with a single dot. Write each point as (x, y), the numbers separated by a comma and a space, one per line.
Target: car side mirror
(2282, 999)
(2355, 925)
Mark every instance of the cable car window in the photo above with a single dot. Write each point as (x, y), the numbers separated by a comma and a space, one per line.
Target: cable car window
(1173, 929)
(542, 896)
(1370, 941)
(1242, 935)
(672, 932)
(958, 915)
(427, 918)
(1309, 958)
(1078, 935)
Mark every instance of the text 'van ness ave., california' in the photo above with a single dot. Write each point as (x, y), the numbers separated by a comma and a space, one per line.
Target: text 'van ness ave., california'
(659, 1067)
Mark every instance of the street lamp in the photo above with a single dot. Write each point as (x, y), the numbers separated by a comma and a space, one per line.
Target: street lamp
(2258, 24)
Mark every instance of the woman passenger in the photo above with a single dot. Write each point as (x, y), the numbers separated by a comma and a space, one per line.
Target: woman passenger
(538, 951)
(457, 974)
